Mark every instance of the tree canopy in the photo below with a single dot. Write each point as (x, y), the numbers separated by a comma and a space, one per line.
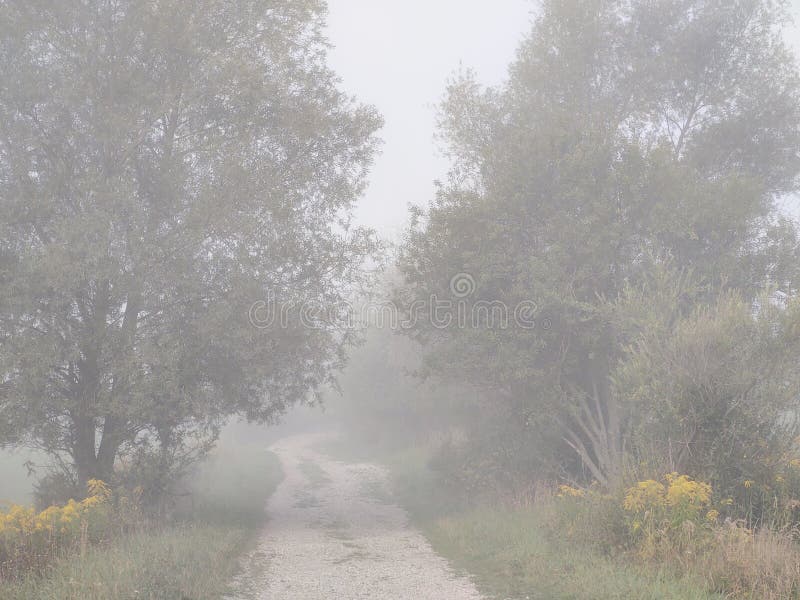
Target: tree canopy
(163, 166)
(630, 136)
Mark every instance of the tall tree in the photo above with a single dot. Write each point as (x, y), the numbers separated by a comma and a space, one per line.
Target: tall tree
(627, 130)
(163, 166)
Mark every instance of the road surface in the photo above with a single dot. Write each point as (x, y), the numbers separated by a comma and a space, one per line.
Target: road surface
(333, 535)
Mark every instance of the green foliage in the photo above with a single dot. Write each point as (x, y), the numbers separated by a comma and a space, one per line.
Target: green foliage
(55, 487)
(497, 457)
(630, 136)
(589, 517)
(163, 167)
(716, 397)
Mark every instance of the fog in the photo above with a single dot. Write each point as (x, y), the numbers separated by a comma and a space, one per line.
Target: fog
(307, 299)
(399, 58)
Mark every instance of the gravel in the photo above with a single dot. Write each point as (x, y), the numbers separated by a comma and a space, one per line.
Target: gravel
(333, 535)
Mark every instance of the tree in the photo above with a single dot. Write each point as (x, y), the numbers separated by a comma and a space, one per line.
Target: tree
(629, 135)
(163, 167)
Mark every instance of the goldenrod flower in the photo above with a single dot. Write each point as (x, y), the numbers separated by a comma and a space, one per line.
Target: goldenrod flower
(644, 495)
(567, 491)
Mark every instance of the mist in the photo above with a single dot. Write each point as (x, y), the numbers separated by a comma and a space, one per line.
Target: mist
(464, 300)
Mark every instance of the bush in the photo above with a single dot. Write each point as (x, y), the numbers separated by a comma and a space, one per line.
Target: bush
(57, 487)
(31, 539)
(589, 517)
(670, 518)
(674, 523)
(714, 397)
(500, 456)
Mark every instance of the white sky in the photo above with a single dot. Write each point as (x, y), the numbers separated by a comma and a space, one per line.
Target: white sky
(397, 56)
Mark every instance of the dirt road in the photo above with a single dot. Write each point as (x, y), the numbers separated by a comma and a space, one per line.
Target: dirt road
(332, 535)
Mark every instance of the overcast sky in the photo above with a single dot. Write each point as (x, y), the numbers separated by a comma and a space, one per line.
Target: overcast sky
(398, 56)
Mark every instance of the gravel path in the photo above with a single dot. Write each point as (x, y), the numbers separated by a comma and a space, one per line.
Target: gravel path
(331, 536)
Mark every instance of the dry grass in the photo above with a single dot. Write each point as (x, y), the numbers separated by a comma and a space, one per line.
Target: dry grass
(763, 565)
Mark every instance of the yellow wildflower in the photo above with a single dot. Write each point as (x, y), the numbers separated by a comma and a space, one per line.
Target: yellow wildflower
(684, 490)
(567, 491)
(645, 494)
(98, 488)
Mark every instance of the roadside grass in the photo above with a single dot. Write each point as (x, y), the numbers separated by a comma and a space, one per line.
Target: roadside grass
(180, 562)
(195, 557)
(511, 552)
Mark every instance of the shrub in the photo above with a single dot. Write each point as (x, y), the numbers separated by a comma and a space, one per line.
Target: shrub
(715, 397)
(499, 457)
(30, 539)
(669, 517)
(589, 516)
(56, 487)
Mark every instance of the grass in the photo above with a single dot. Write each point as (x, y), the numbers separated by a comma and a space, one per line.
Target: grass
(182, 562)
(511, 553)
(194, 558)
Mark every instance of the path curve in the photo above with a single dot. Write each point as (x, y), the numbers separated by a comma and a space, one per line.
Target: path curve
(331, 536)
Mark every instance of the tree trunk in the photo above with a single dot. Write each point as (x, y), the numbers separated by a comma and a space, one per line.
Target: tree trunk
(83, 453)
(595, 429)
